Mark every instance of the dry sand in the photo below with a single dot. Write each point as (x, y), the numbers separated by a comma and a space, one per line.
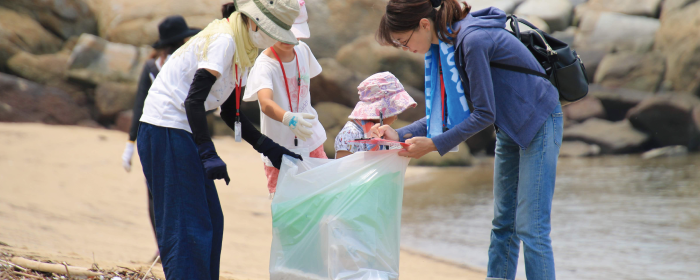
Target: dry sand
(65, 197)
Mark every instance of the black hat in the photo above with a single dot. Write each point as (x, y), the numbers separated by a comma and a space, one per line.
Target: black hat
(173, 29)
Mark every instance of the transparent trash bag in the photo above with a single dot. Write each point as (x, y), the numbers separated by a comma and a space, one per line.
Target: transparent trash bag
(338, 219)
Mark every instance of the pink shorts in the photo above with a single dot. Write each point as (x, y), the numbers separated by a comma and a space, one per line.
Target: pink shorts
(272, 173)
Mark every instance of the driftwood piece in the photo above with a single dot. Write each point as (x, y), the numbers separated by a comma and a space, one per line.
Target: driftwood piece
(54, 268)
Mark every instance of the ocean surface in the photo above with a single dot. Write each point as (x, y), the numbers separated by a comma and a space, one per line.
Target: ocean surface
(614, 217)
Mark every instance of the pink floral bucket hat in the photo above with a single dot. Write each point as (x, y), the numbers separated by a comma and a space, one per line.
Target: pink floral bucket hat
(381, 92)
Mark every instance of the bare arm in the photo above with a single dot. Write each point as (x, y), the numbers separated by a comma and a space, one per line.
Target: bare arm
(268, 106)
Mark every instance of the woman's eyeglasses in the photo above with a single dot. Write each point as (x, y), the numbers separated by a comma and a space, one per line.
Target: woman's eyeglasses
(405, 45)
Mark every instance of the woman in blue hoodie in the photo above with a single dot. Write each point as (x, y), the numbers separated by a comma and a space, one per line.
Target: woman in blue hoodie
(464, 95)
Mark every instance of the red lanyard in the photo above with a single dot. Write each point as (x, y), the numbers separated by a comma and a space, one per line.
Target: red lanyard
(442, 88)
(289, 96)
(238, 96)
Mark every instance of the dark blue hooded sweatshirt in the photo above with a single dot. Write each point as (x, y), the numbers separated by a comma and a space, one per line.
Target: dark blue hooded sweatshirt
(518, 104)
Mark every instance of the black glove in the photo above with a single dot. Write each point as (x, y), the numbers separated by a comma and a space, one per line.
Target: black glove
(214, 167)
(252, 135)
(273, 151)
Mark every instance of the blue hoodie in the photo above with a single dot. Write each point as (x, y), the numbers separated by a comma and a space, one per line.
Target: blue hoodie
(518, 104)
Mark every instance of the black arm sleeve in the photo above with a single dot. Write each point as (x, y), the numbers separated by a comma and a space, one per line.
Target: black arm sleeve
(141, 93)
(194, 105)
(248, 131)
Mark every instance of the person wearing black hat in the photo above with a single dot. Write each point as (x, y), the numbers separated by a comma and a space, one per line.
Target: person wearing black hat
(173, 32)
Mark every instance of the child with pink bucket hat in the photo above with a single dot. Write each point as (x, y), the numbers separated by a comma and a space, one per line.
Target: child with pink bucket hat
(381, 97)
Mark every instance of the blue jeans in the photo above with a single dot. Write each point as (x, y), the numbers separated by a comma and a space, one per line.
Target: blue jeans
(523, 190)
(188, 217)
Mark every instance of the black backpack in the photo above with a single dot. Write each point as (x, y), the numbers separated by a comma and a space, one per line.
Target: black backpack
(562, 65)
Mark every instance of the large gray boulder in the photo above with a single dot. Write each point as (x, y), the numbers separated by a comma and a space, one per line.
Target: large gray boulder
(646, 8)
(677, 39)
(112, 98)
(65, 18)
(578, 149)
(48, 70)
(666, 117)
(584, 109)
(507, 6)
(135, 22)
(617, 101)
(557, 13)
(632, 70)
(95, 60)
(611, 137)
(673, 6)
(335, 84)
(39, 68)
(25, 101)
(591, 57)
(339, 84)
(366, 56)
(332, 115)
(19, 32)
(616, 32)
(336, 23)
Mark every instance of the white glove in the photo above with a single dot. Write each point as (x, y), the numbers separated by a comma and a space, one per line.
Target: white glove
(126, 156)
(298, 124)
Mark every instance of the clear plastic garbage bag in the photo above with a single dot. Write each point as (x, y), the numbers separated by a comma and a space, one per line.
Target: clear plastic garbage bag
(338, 219)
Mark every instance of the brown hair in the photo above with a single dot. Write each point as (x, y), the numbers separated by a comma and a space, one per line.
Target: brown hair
(228, 9)
(405, 15)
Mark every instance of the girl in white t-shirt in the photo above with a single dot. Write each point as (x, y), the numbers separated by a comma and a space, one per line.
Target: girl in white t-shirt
(283, 94)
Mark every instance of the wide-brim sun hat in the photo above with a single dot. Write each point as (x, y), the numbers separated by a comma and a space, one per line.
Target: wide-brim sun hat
(300, 28)
(173, 29)
(274, 17)
(381, 93)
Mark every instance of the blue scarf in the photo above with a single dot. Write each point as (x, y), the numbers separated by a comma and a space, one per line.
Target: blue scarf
(456, 103)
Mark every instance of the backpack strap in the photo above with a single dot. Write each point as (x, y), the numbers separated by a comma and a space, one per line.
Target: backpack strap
(518, 69)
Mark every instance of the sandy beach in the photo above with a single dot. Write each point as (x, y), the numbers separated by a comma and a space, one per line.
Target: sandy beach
(65, 197)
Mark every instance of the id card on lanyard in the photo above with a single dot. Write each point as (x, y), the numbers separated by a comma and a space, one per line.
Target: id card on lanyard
(289, 96)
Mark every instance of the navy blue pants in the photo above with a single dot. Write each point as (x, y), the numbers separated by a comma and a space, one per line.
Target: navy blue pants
(188, 217)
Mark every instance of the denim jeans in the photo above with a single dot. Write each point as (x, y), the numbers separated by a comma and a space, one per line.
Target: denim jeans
(188, 217)
(523, 190)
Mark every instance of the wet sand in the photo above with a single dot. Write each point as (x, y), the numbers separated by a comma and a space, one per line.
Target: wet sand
(65, 197)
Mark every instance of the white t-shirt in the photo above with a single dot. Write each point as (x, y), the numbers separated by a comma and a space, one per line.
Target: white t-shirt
(266, 73)
(165, 103)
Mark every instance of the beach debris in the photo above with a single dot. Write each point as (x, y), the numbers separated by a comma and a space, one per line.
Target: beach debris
(15, 267)
(149, 269)
(670, 151)
(62, 269)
